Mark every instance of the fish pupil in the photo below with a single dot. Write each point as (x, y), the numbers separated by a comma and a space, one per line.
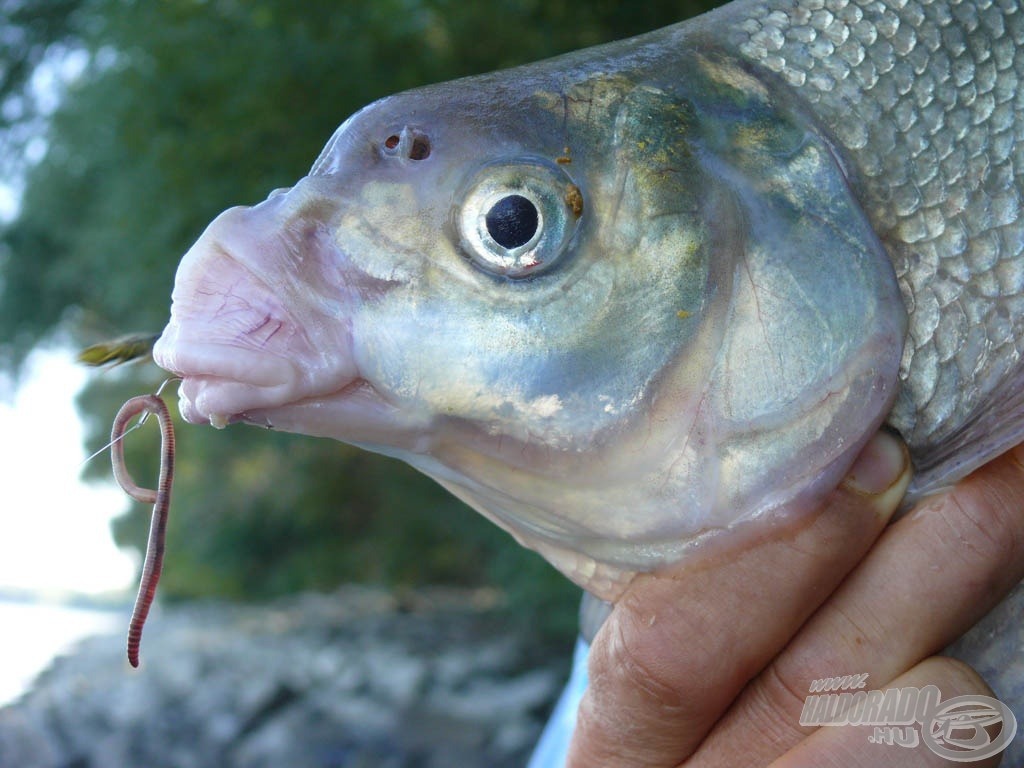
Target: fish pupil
(512, 221)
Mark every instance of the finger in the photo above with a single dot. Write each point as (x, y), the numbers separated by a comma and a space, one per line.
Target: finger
(888, 745)
(930, 577)
(680, 644)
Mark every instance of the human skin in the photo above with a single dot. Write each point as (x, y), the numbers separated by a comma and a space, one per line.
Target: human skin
(708, 663)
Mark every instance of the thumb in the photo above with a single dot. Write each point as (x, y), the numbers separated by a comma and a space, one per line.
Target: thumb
(681, 643)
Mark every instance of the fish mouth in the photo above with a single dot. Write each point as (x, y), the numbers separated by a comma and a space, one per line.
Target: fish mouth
(355, 413)
(223, 385)
(219, 401)
(220, 381)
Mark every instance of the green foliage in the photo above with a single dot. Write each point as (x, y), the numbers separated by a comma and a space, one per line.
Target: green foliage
(184, 108)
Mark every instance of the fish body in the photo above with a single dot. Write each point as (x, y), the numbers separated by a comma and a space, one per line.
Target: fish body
(650, 296)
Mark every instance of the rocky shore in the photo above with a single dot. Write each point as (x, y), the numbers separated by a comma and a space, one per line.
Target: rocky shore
(357, 678)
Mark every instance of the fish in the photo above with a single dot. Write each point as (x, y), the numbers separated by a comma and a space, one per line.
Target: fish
(649, 298)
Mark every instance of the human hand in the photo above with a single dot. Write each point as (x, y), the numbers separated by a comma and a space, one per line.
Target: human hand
(708, 663)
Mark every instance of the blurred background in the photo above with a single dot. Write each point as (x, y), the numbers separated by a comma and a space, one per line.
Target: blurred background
(125, 126)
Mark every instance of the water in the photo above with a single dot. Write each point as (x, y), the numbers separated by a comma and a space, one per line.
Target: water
(32, 634)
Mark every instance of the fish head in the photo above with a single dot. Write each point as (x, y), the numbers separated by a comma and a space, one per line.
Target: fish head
(597, 307)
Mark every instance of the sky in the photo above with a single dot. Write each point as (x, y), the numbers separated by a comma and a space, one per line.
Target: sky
(8, 202)
(54, 529)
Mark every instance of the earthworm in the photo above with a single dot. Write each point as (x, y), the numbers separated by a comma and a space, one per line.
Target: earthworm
(159, 498)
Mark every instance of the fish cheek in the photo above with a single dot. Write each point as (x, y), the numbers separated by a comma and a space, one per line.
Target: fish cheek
(809, 360)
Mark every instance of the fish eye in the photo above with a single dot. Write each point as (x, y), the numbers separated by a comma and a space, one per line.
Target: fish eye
(512, 221)
(517, 219)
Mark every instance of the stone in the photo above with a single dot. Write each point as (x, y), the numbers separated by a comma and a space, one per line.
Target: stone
(353, 678)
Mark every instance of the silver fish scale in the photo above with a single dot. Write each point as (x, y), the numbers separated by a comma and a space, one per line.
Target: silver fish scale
(924, 98)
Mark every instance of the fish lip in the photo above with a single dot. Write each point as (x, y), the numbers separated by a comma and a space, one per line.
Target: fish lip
(201, 399)
(264, 416)
(227, 362)
(356, 413)
(221, 380)
(219, 401)
(218, 392)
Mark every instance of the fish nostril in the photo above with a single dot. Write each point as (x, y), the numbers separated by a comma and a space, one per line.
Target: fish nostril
(420, 148)
(409, 144)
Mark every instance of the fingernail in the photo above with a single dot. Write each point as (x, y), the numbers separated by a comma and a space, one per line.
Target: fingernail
(880, 465)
